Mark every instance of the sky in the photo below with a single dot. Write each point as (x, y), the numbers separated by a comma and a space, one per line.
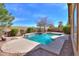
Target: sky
(28, 14)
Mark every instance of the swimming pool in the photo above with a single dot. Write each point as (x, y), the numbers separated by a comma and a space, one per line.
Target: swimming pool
(44, 38)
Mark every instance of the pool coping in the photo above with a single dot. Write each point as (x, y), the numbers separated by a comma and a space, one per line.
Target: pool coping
(53, 37)
(49, 32)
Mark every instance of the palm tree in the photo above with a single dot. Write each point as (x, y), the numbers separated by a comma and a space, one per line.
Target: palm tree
(60, 26)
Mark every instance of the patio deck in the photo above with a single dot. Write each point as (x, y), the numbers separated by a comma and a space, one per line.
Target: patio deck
(66, 50)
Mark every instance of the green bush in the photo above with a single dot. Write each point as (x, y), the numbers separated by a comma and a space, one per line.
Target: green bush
(66, 29)
(29, 30)
(13, 32)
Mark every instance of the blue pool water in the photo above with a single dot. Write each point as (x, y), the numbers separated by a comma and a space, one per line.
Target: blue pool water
(41, 38)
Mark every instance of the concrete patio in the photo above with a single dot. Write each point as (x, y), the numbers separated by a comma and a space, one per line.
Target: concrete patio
(65, 49)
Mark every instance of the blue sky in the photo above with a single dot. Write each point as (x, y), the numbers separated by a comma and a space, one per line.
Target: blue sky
(28, 14)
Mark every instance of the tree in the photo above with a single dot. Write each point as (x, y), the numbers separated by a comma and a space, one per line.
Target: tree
(5, 17)
(42, 23)
(66, 29)
(30, 29)
(60, 26)
(51, 27)
(13, 32)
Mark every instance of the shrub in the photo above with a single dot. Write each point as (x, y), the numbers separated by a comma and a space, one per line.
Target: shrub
(30, 29)
(13, 32)
(66, 29)
(51, 28)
